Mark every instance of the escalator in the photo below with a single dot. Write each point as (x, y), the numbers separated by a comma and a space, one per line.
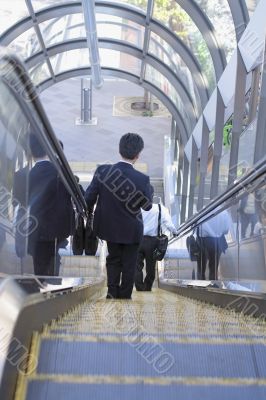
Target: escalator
(160, 345)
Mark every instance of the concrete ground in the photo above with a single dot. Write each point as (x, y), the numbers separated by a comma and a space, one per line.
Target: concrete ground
(100, 143)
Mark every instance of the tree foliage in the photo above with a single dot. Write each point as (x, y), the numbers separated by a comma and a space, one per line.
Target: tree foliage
(173, 16)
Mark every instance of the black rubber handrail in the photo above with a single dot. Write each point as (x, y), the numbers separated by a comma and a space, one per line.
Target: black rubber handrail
(47, 133)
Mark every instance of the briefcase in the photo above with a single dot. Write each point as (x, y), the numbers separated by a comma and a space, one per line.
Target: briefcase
(78, 237)
(91, 241)
(161, 240)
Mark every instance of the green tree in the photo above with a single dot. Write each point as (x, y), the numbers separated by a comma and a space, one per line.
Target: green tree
(172, 15)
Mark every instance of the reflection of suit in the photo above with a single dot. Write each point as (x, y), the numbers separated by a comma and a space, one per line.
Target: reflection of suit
(20, 186)
(20, 191)
(120, 192)
(51, 205)
(212, 242)
(247, 214)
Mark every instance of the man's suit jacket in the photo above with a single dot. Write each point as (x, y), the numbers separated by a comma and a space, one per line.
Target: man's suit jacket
(120, 192)
(50, 203)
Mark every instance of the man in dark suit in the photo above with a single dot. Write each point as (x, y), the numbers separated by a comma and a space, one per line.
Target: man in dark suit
(120, 192)
(50, 204)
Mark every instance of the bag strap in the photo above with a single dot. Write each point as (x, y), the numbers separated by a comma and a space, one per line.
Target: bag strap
(159, 221)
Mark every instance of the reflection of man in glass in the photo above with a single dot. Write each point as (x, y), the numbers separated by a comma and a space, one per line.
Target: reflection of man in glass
(51, 205)
(247, 214)
(260, 227)
(212, 243)
(20, 189)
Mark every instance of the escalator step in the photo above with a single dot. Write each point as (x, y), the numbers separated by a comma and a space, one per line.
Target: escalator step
(68, 391)
(148, 359)
(158, 346)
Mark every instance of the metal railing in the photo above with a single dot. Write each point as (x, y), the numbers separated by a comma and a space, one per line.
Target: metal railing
(241, 186)
(46, 133)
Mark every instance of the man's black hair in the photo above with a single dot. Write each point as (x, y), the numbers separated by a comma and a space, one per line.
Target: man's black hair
(130, 145)
(37, 149)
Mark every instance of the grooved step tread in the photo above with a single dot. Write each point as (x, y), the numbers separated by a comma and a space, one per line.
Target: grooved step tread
(157, 345)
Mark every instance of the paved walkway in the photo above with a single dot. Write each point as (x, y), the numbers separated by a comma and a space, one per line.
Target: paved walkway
(100, 143)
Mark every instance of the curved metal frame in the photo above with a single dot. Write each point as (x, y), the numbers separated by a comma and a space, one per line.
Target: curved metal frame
(208, 32)
(240, 16)
(187, 56)
(200, 19)
(122, 25)
(125, 12)
(129, 49)
(130, 77)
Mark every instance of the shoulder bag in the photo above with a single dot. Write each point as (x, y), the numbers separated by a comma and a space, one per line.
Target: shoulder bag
(161, 240)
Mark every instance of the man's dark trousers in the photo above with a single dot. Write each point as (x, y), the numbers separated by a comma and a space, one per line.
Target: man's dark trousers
(121, 261)
(46, 260)
(146, 253)
(210, 250)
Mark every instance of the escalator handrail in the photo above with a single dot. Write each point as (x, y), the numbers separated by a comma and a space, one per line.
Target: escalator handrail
(220, 202)
(75, 191)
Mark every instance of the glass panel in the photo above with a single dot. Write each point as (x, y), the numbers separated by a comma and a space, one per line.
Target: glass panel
(61, 29)
(224, 169)
(228, 250)
(39, 73)
(72, 27)
(120, 29)
(246, 148)
(36, 210)
(159, 80)
(178, 21)
(251, 5)
(13, 199)
(252, 239)
(11, 12)
(177, 264)
(220, 16)
(213, 238)
(162, 50)
(142, 4)
(207, 186)
(71, 59)
(41, 4)
(109, 58)
(117, 59)
(196, 190)
(26, 44)
(208, 253)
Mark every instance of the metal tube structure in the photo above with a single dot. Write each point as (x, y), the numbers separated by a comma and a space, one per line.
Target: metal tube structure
(86, 103)
(92, 40)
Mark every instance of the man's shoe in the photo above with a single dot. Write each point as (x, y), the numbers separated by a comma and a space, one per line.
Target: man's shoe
(109, 296)
(140, 287)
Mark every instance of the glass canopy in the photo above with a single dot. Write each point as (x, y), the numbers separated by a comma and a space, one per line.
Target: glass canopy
(176, 47)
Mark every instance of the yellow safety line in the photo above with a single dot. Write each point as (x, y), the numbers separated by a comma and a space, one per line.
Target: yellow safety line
(163, 381)
(144, 338)
(23, 378)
